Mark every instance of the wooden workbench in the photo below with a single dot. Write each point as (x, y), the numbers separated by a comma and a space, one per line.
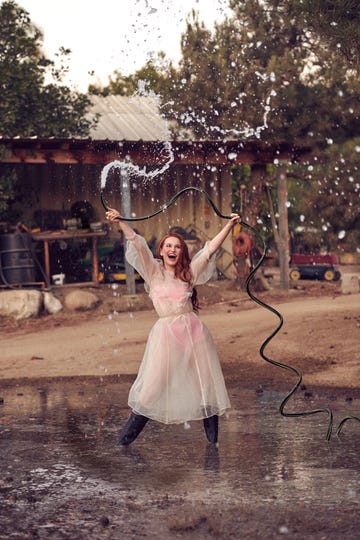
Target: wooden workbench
(79, 234)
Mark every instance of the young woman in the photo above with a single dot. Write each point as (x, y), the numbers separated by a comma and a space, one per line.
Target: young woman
(180, 377)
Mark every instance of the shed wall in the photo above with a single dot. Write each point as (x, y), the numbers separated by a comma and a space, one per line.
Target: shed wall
(51, 190)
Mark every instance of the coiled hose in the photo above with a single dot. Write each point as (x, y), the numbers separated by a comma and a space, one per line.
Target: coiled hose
(250, 277)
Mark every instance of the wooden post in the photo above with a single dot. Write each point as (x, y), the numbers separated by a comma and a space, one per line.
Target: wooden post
(126, 212)
(283, 228)
(95, 261)
(272, 216)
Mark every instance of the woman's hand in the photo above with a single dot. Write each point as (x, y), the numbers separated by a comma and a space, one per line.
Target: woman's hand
(112, 215)
(235, 219)
(216, 242)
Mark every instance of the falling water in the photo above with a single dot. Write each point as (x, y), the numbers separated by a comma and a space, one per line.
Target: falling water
(129, 169)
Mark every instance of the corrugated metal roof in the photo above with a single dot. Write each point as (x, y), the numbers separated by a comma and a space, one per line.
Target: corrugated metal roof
(128, 118)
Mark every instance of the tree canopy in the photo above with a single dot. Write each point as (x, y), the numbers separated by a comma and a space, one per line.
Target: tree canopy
(265, 70)
(337, 22)
(278, 71)
(259, 60)
(34, 100)
(326, 197)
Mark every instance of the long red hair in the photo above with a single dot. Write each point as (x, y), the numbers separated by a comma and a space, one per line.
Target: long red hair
(182, 268)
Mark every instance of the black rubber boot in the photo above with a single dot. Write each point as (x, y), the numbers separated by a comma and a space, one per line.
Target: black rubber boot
(132, 428)
(211, 426)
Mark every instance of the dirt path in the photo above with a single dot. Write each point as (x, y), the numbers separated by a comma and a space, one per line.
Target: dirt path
(61, 473)
(320, 336)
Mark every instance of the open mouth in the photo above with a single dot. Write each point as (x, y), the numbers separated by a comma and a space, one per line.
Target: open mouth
(171, 256)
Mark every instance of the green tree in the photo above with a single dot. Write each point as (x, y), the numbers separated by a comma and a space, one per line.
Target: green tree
(268, 71)
(118, 85)
(337, 22)
(261, 73)
(265, 71)
(7, 190)
(31, 106)
(155, 77)
(329, 200)
(265, 59)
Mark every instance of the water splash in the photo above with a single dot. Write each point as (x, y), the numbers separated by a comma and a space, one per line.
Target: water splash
(236, 132)
(130, 169)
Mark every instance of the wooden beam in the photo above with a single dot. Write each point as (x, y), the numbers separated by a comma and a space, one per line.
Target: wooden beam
(147, 152)
(284, 252)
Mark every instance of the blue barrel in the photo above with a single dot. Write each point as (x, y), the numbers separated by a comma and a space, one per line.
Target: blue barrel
(17, 264)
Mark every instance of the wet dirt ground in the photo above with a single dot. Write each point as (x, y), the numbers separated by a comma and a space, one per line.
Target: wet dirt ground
(271, 477)
(64, 382)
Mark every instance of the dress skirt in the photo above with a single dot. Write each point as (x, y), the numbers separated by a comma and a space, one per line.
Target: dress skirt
(180, 377)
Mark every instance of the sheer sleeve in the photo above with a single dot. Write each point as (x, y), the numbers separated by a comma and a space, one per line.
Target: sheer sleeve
(139, 255)
(203, 266)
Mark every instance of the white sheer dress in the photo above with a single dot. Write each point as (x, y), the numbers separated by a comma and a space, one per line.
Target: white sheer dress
(180, 377)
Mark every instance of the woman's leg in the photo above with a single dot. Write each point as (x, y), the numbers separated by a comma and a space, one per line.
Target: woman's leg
(211, 426)
(132, 428)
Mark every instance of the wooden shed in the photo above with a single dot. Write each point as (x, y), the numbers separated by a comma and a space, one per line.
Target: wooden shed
(60, 174)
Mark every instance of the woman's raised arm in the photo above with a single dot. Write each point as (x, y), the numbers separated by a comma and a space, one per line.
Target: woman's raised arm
(216, 242)
(112, 215)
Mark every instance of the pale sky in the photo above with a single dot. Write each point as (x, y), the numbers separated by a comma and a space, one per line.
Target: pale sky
(115, 34)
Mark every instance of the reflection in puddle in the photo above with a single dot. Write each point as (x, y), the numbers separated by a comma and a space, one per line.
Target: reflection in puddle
(59, 437)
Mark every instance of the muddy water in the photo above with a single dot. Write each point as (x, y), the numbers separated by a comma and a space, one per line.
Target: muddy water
(271, 476)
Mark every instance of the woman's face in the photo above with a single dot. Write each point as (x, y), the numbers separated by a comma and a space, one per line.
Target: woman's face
(170, 252)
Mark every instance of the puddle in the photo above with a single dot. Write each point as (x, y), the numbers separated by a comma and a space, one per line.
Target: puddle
(57, 445)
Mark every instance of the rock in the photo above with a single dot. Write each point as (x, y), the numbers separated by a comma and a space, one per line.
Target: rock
(350, 284)
(81, 300)
(51, 303)
(20, 304)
